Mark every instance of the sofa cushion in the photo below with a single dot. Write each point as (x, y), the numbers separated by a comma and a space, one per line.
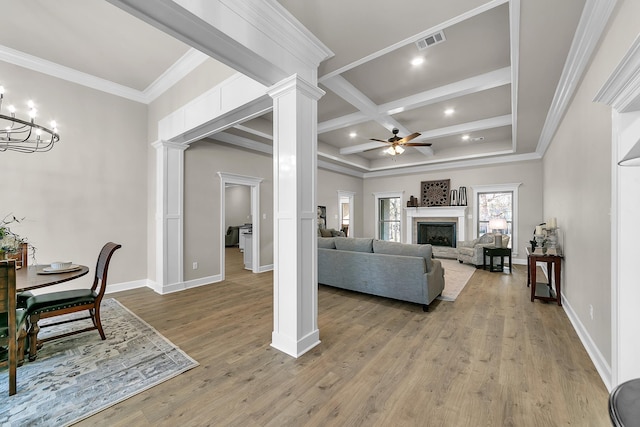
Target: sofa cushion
(405, 249)
(356, 244)
(326, 242)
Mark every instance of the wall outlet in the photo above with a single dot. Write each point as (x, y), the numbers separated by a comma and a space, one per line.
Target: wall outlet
(591, 311)
(195, 266)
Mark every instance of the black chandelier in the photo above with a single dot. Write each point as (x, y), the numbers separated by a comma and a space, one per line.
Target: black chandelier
(22, 135)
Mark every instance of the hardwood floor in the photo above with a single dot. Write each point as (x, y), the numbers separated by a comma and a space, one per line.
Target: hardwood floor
(491, 358)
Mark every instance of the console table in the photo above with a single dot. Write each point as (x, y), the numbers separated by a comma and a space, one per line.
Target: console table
(544, 291)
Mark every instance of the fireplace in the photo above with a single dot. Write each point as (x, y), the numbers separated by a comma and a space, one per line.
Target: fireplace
(436, 214)
(437, 233)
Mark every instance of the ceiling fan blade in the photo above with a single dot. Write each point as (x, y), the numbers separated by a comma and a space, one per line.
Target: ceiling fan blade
(408, 138)
(417, 144)
(378, 140)
(375, 148)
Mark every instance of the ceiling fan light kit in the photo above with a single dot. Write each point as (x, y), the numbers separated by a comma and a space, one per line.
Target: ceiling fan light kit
(398, 143)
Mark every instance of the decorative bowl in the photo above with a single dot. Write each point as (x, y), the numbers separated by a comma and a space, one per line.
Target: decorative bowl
(60, 265)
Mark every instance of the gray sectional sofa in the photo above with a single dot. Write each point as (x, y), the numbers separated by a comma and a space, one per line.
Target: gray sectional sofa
(394, 270)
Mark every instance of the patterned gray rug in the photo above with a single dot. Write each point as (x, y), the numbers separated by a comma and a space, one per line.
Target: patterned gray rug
(76, 377)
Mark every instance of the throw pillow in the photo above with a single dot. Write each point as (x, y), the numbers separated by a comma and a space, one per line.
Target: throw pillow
(325, 232)
(486, 238)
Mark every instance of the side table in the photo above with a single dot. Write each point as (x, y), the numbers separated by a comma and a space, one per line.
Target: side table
(492, 252)
(544, 291)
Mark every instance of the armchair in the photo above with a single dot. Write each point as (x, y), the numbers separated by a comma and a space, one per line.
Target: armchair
(470, 251)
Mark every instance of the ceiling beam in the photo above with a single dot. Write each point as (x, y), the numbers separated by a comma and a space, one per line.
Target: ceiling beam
(474, 126)
(345, 90)
(342, 122)
(468, 86)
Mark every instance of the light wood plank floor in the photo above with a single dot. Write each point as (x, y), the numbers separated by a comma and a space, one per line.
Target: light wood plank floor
(491, 358)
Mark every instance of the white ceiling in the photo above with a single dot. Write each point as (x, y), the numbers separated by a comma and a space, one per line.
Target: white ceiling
(499, 69)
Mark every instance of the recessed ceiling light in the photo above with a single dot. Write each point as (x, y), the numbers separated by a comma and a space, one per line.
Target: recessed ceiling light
(353, 134)
(417, 60)
(465, 137)
(449, 111)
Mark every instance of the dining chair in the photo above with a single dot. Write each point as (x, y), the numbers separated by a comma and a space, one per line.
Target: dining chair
(12, 334)
(53, 304)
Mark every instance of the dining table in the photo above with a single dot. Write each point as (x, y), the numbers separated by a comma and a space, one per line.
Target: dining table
(40, 276)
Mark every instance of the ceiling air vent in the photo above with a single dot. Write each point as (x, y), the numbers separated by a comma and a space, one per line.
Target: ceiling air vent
(431, 40)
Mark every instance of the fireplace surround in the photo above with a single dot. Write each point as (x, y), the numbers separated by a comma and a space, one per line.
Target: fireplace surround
(437, 233)
(435, 214)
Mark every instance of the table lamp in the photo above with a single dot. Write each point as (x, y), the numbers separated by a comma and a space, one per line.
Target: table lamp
(497, 225)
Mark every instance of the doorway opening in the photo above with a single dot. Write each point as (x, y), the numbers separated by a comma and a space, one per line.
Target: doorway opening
(345, 212)
(238, 186)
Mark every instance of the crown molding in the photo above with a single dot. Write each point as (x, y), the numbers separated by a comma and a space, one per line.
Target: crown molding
(43, 66)
(277, 23)
(458, 164)
(172, 75)
(621, 91)
(593, 21)
(178, 70)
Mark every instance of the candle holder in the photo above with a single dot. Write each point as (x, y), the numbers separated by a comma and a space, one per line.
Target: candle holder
(553, 248)
(540, 240)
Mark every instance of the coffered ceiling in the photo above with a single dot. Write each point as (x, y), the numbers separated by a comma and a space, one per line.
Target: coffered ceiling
(498, 68)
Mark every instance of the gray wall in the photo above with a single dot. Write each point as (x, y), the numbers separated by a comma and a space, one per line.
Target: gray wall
(329, 183)
(92, 187)
(202, 240)
(530, 192)
(577, 184)
(237, 203)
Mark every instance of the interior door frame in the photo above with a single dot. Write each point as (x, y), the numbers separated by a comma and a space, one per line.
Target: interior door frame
(253, 182)
(350, 195)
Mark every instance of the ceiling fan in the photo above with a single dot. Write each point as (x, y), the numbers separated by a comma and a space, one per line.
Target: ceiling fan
(398, 144)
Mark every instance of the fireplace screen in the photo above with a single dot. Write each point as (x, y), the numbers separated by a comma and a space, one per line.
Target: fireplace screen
(437, 233)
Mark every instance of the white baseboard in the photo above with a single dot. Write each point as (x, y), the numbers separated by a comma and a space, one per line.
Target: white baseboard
(598, 360)
(263, 268)
(176, 287)
(127, 286)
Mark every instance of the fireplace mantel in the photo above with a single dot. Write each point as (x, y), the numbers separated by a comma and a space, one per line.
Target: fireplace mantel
(457, 212)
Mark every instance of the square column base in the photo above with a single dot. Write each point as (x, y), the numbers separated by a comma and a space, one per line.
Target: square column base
(292, 347)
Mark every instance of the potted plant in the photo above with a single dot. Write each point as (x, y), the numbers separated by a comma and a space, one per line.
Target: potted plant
(11, 243)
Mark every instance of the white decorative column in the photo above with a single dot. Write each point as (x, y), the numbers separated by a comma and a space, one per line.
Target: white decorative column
(169, 215)
(295, 284)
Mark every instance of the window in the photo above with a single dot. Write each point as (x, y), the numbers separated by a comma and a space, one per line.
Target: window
(389, 216)
(495, 205)
(496, 201)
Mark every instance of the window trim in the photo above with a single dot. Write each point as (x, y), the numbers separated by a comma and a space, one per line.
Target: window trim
(499, 188)
(386, 195)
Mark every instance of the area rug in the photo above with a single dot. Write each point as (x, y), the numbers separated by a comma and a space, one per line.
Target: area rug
(78, 376)
(456, 276)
